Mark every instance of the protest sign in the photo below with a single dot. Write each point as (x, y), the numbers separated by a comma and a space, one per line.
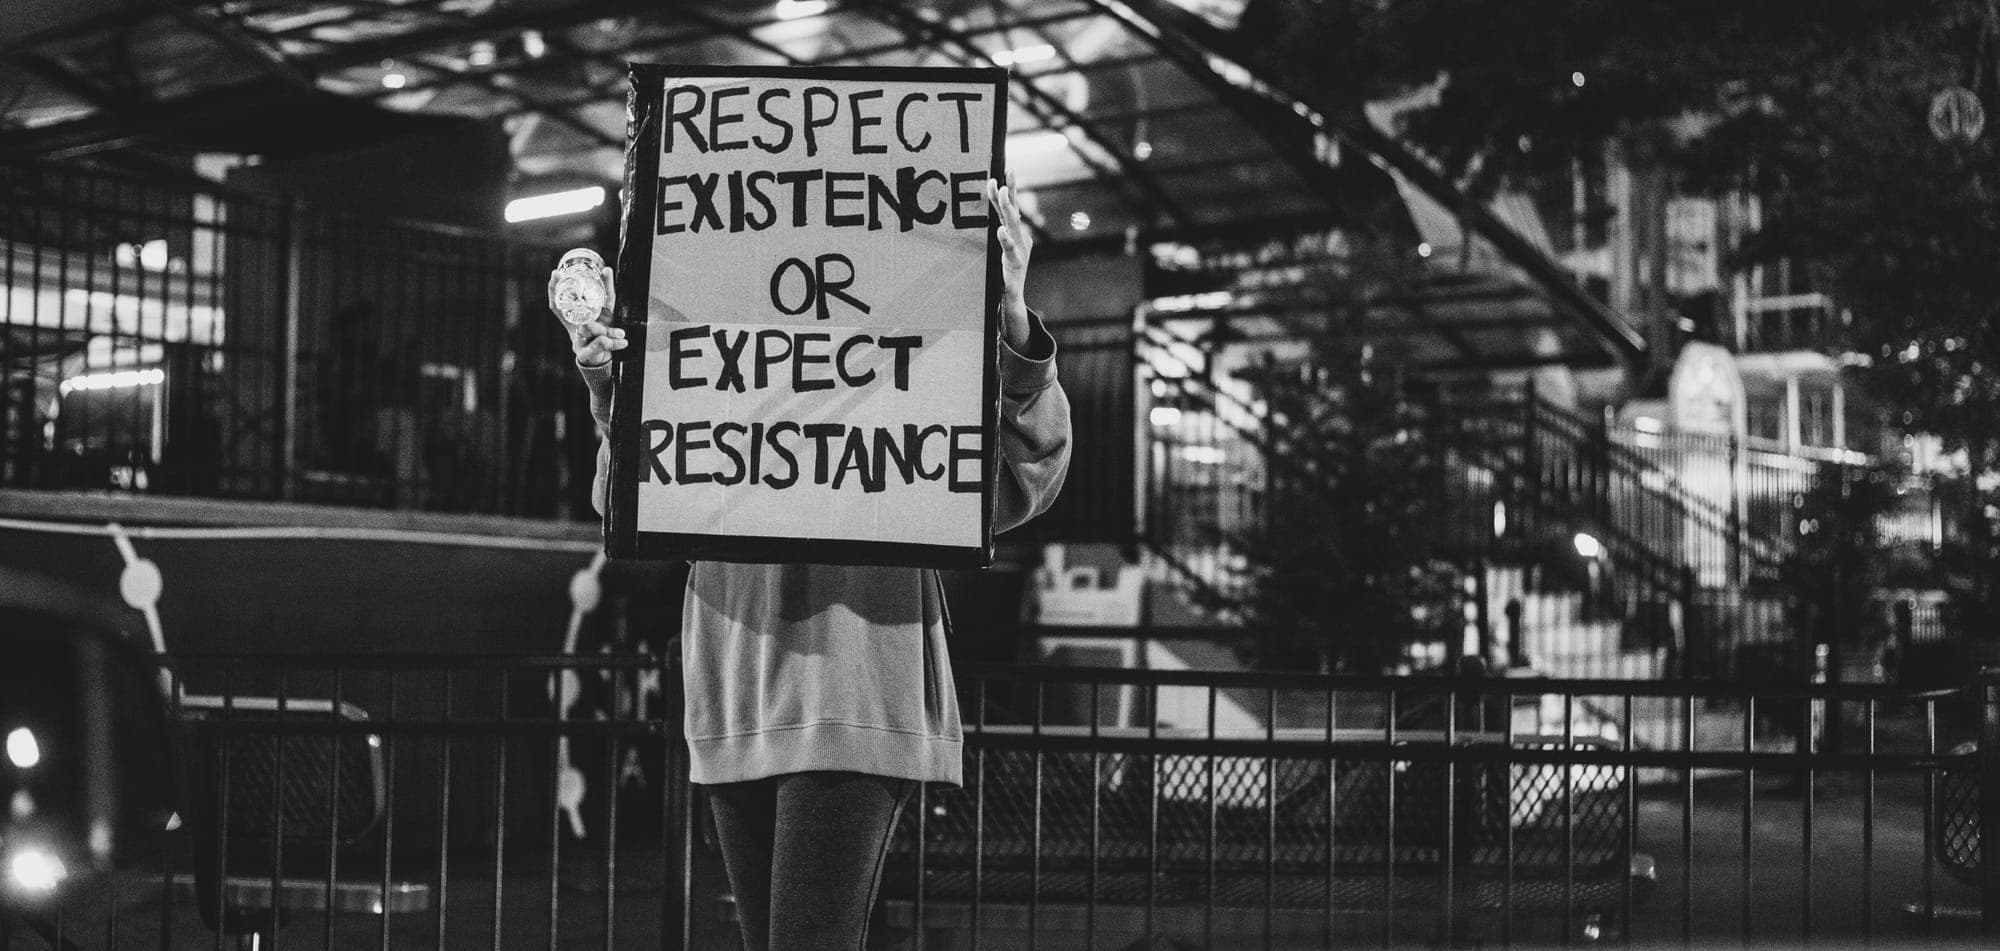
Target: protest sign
(808, 280)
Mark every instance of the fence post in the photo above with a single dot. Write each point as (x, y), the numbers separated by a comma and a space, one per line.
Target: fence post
(1989, 800)
(292, 240)
(1482, 614)
(1517, 648)
(1905, 636)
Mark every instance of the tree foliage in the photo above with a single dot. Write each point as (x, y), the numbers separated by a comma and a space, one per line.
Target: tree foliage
(1817, 108)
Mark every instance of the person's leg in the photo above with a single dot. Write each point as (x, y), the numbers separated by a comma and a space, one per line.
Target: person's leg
(832, 836)
(745, 815)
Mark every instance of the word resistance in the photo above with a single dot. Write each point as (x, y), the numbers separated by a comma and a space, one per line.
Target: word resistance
(836, 454)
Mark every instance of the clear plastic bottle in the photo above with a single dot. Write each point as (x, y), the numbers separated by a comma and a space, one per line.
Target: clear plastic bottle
(579, 294)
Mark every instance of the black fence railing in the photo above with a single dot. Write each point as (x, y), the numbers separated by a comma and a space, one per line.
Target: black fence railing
(1582, 550)
(406, 802)
(200, 340)
(456, 802)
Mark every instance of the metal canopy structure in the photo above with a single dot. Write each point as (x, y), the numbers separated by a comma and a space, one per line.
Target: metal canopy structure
(1132, 120)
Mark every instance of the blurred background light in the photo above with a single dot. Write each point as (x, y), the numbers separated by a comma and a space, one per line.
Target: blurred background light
(555, 203)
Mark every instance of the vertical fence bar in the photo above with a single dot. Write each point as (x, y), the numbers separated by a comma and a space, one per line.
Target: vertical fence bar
(1569, 821)
(1989, 802)
(1270, 819)
(1331, 815)
(1213, 831)
(1867, 896)
(1389, 826)
(979, 817)
(1628, 776)
(1930, 818)
(500, 822)
(1096, 822)
(389, 747)
(291, 243)
(1036, 841)
(558, 761)
(1153, 774)
(278, 800)
(334, 743)
(611, 831)
(1689, 738)
(1453, 835)
(444, 818)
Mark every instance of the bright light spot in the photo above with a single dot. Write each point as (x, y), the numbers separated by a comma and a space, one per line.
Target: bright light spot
(1142, 150)
(1424, 249)
(533, 44)
(112, 381)
(1035, 143)
(36, 870)
(22, 750)
(555, 203)
(1576, 79)
(1079, 221)
(1164, 416)
(1499, 519)
(394, 80)
(1211, 300)
(1204, 455)
(799, 9)
(1025, 54)
(151, 255)
(1588, 546)
(481, 54)
(1647, 424)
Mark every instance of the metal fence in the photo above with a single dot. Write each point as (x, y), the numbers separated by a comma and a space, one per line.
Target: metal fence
(199, 340)
(453, 802)
(406, 802)
(1582, 549)
(1104, 808)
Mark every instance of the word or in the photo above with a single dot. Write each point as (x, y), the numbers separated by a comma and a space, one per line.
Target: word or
(759, 453)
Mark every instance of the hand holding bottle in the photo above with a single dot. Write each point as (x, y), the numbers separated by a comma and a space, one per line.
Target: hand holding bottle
(581, 294)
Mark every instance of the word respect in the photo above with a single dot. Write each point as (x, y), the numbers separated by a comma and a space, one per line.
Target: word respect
(720, 121)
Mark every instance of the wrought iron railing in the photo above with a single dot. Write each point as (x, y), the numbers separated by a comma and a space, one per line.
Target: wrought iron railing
(199, 340)
(453, 802)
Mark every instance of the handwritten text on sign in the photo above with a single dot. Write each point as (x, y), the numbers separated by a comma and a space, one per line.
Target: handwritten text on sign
(818, 322)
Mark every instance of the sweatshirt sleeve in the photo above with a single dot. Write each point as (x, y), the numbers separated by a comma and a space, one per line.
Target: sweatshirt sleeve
(598, 379)
(1034, 430)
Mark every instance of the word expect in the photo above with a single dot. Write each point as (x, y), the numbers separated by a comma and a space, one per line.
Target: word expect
(745, 359)
(758, 453)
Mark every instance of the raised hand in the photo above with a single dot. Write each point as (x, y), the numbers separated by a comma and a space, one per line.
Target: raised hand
(1017, 242)
(594, 341)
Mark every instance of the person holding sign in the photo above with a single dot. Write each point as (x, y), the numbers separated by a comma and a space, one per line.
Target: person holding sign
(820, 697)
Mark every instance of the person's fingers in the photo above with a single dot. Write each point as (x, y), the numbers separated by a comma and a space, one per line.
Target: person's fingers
(599, 350)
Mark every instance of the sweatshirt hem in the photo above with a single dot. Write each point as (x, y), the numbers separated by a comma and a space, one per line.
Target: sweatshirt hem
(826, 746)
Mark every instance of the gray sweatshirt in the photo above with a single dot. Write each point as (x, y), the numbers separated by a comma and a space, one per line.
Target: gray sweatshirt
(793, 668)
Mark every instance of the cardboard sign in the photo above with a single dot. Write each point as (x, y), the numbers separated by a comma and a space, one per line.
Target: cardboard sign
(809, 284)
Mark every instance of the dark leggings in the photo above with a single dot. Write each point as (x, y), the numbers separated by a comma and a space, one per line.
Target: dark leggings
(804, 853)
